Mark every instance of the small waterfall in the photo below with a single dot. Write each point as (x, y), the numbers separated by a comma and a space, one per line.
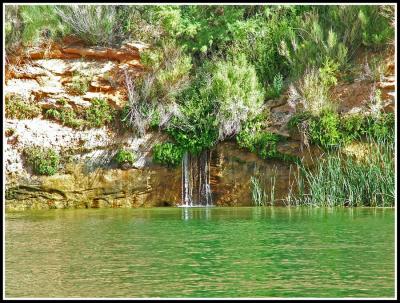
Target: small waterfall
(196, 189)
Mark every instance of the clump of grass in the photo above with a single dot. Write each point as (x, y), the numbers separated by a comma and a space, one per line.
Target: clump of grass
(62, 101)
(19, 108)
(339, 180)
(79, 84)
(258, 195)
(275, 90)
(44, 161)
(66, 116)
(99, 113)
(124, 157)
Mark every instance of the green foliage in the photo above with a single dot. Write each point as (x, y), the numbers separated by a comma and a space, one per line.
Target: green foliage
(67, 116)
(381, 128)
(44, 161)
(62, 101)
(330, 131)
(99, 113)
(155, 120)
(337, 180)
(12, 27)
(207, 29)
(214, 107)
(19, 108)
(328, 73)
(79, 85)
(155, 91)
(352, 127)
(124, 157)
(275, 90)
(94, 24)
(40, 23)
(259, 35)
(298, 118)
(313, 92)
(167, 154)
(254, 138)
(324, 130)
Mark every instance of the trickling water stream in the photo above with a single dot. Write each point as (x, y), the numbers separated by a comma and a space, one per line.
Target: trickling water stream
(196, 189)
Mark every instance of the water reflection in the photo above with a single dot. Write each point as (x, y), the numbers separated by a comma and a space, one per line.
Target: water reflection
(201, 252)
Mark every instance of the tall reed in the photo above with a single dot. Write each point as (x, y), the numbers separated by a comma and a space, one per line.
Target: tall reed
(340, 180)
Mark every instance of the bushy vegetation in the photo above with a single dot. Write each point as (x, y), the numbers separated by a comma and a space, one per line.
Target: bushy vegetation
(124, 156)
(44, 161)
(67, 116)
(168, 154)
(339, 180)
(79, 84)
(97, 115)
(330, 131)
(19, 108)
(256, 139)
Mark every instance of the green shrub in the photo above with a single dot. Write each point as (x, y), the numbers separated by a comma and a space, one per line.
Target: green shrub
(12, 27)
(99, 113)
(153, 92)
(79, 85)
(222, 96)
(312, 93)
(167, 154)
(53, 113)
(254, 138)
(19, 108)
(275, 90)
(44, 161)
(67, 116)
(381, 127)
(62, 101)
(324, 130)
(124, 156)
(352, 127)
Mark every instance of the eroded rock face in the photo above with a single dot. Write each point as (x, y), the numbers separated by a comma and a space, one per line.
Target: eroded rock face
(43, 76)
(152, 185)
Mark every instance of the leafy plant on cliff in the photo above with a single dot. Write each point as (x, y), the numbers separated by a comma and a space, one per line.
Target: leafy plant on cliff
(256, 139)
(67, 116)
(220, 99)
(169, 154)
(19, 108)
(99, 113)
(124, 156)
(155, 92)
(79, 84)
(44, 161)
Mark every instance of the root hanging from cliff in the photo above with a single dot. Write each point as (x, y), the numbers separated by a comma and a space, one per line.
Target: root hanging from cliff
(196, 189)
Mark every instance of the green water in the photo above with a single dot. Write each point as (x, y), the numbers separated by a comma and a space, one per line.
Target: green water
(199, 252)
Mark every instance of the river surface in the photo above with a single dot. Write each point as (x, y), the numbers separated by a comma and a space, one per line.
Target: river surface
(200, 252)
